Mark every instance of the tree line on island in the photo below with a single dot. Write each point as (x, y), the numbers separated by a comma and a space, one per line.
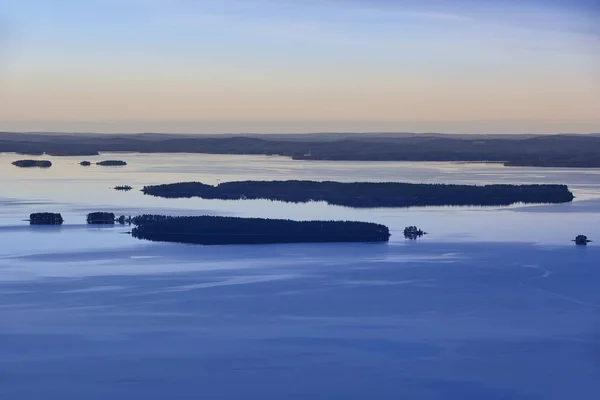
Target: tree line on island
(32, 163)
(106, 218)
(112, 163)
(413, 233)
(46, 218)
(106, 163)
(367, 194)
(95, 218)
(211, 230)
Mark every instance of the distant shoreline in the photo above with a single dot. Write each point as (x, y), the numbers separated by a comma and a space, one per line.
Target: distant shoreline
(556, 151)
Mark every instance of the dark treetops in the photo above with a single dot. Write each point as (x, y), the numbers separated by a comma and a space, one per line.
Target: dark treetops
(45, 219)
(413, 233)
(363, 194)
(101, 218)
(582, 240)
(32, 163)
(111, 163)
(106, 218)
(209, 230)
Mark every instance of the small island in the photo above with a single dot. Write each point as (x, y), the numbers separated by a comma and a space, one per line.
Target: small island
(413, 233)
(85, 163)
(106, 218)
(32, 163)
(368, 194)
(101, 218)
(123, 188)
(45, 219)
(124, 220)
(211, 230)
(111, 163)
(582, 240)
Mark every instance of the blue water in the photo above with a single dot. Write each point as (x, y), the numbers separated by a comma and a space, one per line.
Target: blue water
(496, 303)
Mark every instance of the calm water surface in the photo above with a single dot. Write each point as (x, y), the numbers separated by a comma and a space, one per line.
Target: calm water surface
(496, 303)
(75, 190)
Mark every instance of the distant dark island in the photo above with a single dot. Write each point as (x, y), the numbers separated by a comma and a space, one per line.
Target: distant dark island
(101, 218)
(72, 153)
(368, 195)
(32, 163)
(209, 230)
(111, 163)
(582, 240)
(123, 188)
(106, 218)
(577, 151)
(45, 219)
(85, 163)
(124, 220)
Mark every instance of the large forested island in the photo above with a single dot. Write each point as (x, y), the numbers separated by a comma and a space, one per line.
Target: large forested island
(210, 230)
(582, 151)
(366, 194)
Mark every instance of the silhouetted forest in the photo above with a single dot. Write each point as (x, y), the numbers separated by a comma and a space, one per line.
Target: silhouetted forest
(582, 240)
(209, 230)
(366, 194)
(101, 218)
(413, 233)
(543, 151)
(32, 163)
(71, 153)
(111, 163)
(45, 219)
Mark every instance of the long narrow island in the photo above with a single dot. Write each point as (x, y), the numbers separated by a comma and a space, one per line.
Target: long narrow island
(211, 230)
(32, 163)
(368, 195)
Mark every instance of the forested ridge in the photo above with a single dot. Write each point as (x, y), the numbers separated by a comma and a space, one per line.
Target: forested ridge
(542, 151)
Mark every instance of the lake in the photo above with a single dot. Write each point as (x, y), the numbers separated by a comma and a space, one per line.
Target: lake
(495, 303)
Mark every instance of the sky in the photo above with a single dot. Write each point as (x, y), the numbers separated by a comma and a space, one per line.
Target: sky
(278, 66)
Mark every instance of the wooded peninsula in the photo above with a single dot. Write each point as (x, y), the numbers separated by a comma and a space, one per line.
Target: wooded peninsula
(367, 194)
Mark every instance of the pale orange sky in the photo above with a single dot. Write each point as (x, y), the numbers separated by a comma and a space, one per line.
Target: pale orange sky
(202, 69)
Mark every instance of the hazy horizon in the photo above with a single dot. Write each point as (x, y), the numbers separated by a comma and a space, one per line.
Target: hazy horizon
(183, 66)
(298, 127)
